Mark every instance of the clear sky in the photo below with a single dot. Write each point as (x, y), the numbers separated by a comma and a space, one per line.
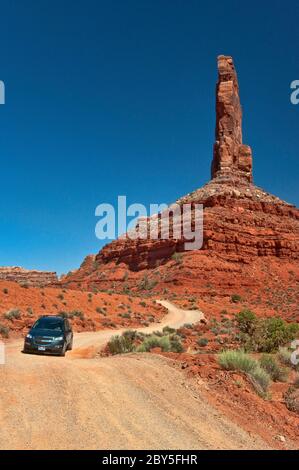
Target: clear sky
(117, 98)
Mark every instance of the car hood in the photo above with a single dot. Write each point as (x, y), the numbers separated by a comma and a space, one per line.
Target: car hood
(42, 332)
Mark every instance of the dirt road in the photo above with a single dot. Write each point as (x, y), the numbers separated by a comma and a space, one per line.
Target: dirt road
(132, 401)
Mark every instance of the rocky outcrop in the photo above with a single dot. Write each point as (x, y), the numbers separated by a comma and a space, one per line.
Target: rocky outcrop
(26, 277)
(248, 233)
(232, 159)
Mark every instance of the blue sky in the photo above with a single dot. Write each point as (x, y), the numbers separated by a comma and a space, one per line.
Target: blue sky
(112, 98)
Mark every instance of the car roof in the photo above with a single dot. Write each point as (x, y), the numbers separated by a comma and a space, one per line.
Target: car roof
(54, 317)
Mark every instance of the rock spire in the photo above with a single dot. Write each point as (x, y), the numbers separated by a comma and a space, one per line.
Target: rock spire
(232, 160)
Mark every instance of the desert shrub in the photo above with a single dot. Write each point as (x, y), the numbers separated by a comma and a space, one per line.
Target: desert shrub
(261, 377)
(202, 342)
(240, 361)
(125, 315)
(12, 314)
(268, 334)
(72, 314)
(235, 298)
(246, 320)
(177, 257)
(77, 313)
(276, 372)
(146, 283)
(237, 360)
(296, 381)
(176, 345)
(30, 311)
(154, 341)
(166, 343)
(168, 330)
(120, 344)
(60, 296)
(101, 311)
(5, 291)
(189, 326)
(132, 335)
(292, 399)
(4, 331)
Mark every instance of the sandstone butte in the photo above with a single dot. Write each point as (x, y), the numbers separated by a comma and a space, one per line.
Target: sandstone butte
(250, 237)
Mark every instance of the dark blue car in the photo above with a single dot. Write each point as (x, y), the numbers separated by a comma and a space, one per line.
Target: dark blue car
(49, 335)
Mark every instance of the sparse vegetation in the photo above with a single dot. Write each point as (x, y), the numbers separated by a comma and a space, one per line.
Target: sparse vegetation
(121, 344)
(246, 320)
(5, 291)
(30, 311)
(237, 360)
(276, 372)
(264, 334)
(177, 257)
(240, 361)
(12, 314)
(146, 283)
(73, 314)
(202, 342)
(292, 399)
(166, 343)
(236, 298)
(4, 331)
(128, 342)
(101, 311)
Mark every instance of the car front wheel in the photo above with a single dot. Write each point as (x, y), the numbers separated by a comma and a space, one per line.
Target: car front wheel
(63, 350)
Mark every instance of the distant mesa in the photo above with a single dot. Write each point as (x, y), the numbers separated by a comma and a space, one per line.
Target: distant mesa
(26, 277)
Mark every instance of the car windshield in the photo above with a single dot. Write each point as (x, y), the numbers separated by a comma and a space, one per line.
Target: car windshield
(48, 324)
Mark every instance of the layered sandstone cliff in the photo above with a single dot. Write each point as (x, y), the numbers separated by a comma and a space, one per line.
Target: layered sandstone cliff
(27, 277)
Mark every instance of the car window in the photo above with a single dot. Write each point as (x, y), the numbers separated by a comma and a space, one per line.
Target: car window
(48, 324)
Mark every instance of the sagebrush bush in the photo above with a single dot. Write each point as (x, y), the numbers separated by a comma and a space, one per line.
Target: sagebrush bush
(72, 314)
(261, 377)
(4, 331)
(237, 360)
(202, 342)
(168, 330)
(154, 341)
(276, 372)
(292, 399)
(177, 257)
(284, 355)
(120, 344)
(13, 314)
(235, 298)
(240, 361)
(166, 343)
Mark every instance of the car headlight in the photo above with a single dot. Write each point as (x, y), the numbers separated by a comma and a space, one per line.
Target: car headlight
(59, 338)
(29, 336)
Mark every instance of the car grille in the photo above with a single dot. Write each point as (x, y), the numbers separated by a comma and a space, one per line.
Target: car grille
(43, 340)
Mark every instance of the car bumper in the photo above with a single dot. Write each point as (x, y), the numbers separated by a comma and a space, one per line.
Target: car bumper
(45, 349)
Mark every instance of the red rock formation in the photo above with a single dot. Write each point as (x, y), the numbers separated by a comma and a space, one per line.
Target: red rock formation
(231, 158)
(248, 233)
(26, 277)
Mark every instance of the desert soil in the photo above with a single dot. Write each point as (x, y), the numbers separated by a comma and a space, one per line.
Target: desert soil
(135, 401)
